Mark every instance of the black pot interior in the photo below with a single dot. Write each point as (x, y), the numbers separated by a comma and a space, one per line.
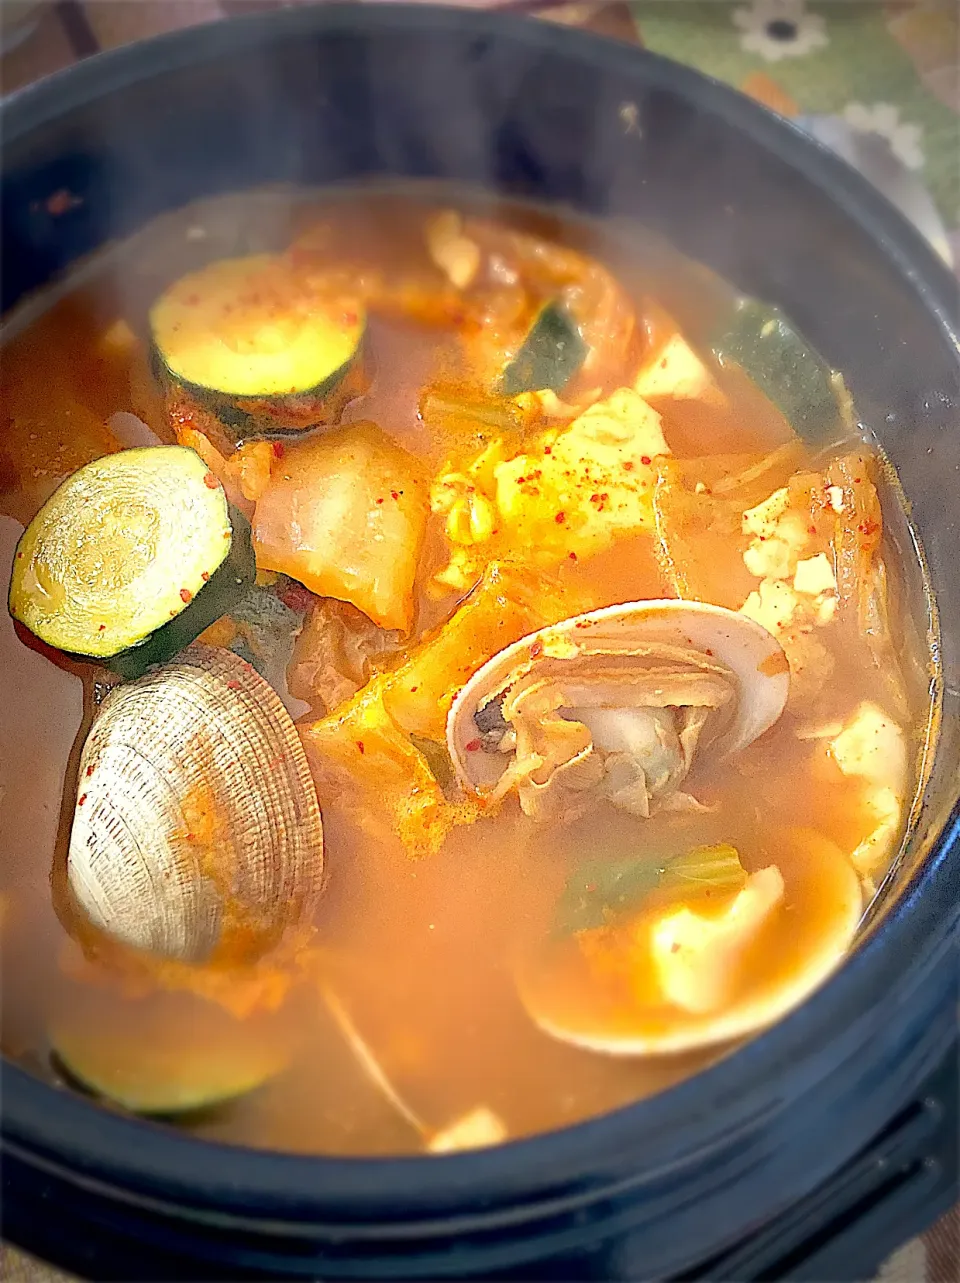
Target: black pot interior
(534, 113)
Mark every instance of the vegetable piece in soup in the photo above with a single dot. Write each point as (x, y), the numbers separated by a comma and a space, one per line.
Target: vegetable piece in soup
(528, 710)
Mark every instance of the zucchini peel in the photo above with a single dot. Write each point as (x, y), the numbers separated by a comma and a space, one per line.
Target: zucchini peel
(131, 558)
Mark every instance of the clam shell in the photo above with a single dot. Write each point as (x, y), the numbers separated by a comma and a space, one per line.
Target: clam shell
(196, 823)
(751, 657)
(824, 902)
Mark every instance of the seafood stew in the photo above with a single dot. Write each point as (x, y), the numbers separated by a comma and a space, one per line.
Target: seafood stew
(460, 680)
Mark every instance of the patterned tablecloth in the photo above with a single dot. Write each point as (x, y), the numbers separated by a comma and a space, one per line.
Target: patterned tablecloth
(879, 82)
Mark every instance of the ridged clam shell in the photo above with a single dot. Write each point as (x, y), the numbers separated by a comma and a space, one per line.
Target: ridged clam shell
(196, 818)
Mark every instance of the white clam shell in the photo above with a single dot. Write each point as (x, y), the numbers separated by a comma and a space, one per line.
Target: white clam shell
(753, 655)
(825, 906)
(196, 813)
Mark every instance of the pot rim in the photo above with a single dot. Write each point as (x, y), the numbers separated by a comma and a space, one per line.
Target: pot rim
(131, 1158)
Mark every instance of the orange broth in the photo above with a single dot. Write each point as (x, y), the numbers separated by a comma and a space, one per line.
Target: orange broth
(422, 952)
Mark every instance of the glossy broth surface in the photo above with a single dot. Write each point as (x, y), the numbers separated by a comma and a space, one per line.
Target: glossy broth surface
(421, 952)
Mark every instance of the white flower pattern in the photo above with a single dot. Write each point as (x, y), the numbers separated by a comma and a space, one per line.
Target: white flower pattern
(777, 29)
(905, 139)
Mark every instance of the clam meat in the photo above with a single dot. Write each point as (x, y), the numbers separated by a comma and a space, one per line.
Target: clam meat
(616, 705)
(196, 823)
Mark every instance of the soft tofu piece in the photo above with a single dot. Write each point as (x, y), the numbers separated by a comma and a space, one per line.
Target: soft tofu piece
(815, 575)
(457, 256)
(870, 855)
(762, 520)
(776, 555)
(872, 746)
(676, 373)
(586, 484)
(773, 605)
(475, 1130)
(697, 959)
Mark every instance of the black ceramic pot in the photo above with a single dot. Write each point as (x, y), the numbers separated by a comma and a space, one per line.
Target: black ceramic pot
(344, 92)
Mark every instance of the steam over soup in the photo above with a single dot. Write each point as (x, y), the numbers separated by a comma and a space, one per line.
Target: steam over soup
(456, 672)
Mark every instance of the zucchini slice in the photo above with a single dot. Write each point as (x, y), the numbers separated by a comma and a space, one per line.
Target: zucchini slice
(785, 367)
(551, 354)
(131, 558)
(257, 346)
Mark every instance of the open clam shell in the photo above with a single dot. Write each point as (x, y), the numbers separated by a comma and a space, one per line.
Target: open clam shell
(605, 992)
(196, 823)
(616, 704)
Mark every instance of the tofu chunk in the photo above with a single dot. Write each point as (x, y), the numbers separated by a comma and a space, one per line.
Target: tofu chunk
(476, 1130)
(697, 958)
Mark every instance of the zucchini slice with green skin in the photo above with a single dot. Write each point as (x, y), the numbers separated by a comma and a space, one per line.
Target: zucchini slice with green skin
(131, 558)
(785, 367)
(249, 340)
(551, 354)
(222, 593)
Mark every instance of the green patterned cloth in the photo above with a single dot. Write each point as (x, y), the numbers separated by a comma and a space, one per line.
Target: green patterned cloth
(887, 69)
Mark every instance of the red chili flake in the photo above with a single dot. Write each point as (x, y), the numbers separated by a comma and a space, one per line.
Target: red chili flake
(521, 480)
(645, 460)
(81, 799)
(102, 628)
(628, 466)
(548, 449)
(811, 530)
(560, 518)
(605, 496)
(279, 450)
(414, 688)
(361, 747)
(472, 746)
(205, 576)
(856, 481)
(394, 495)
(594, 498)
(61, 201)
(233, 686)
(379, 501)
(709, 652)
(536, 650)
(868, 527)
(19, 556)
(210, 481)
(89, 771)
(186, 596)
(572, 556)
